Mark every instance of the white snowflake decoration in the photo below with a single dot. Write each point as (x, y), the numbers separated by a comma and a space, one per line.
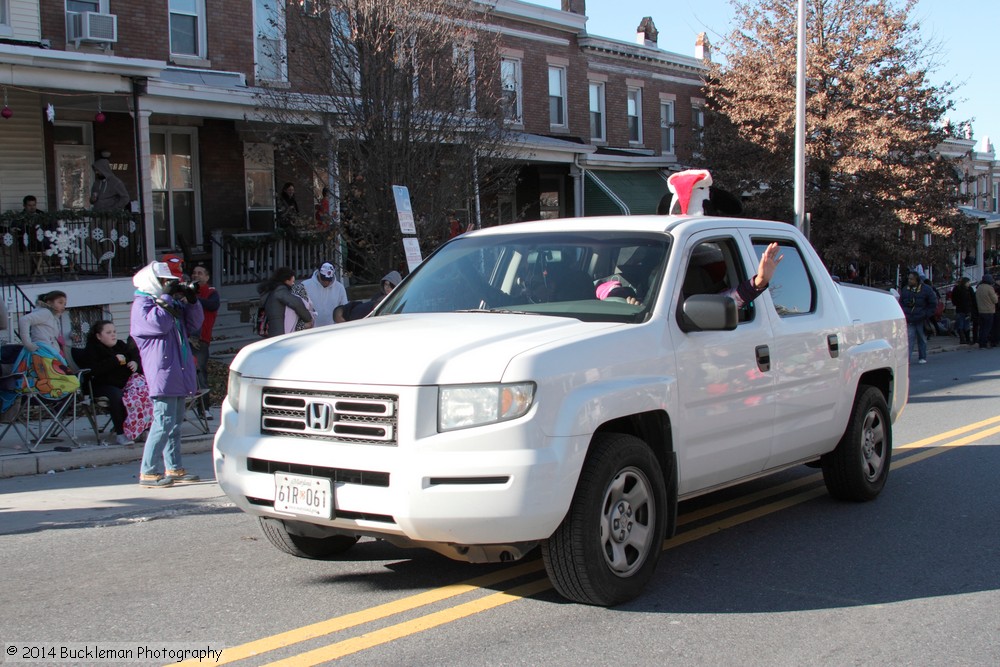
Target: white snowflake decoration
(8, 239)
(97, 234)
(114, 235)
(123, 241)
(64, 242)
(131, 226)
(24, 239)
(40, 233)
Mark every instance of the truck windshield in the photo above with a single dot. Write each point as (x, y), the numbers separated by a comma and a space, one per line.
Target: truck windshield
(597, 276)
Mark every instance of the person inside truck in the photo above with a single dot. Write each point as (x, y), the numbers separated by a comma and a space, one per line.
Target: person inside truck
(709, 270)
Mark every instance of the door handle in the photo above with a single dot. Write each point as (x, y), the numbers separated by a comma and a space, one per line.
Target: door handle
(833, 343)
(763, 358)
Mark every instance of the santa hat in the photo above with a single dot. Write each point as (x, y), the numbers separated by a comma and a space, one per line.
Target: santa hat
(690, 190)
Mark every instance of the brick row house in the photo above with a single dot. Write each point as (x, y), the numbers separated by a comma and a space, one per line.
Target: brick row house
(167, 91)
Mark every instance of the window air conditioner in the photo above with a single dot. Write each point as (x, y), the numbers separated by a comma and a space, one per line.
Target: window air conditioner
(92, 27)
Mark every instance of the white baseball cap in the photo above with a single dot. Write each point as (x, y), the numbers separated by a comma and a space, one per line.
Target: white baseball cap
(326, 270)
(162, 270)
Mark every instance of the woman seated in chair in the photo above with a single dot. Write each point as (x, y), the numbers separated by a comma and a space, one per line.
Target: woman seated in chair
(42, 360)
(114, 373)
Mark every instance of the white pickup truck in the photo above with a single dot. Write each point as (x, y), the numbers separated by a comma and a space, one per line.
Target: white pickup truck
(493, 403)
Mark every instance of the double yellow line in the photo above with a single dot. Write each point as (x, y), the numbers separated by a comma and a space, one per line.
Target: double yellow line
(788, 495)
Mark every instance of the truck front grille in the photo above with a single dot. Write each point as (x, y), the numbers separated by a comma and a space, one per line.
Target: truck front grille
(329, 415)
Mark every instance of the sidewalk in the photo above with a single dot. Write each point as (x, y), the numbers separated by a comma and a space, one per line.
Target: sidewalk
(14, 461)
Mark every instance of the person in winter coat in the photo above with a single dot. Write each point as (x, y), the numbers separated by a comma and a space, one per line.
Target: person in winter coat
(44, 324)
(355, 310)
(986, 302)
(964, 300)
(275, 296)
(163, 317)
(111, 362)
(209, 299)
(919, 301)
(108, 192)
(325, 293)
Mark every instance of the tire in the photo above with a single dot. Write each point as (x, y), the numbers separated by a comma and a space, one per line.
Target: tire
(858, 467)
(605, 551)
(316, 548)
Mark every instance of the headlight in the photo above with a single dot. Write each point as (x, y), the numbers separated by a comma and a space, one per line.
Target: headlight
(233, 390)
(475, 405)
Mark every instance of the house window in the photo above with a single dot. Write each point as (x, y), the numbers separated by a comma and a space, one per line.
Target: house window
(465, 61)
(597, 111)
(996, 197)
(269, 23)
(697, 127)
(85, 5)
(173, 167)
(187, 28)
(666, 128)
(634, 111)
(557, 96)
(4, 18)
(510, 81)
(259, 170)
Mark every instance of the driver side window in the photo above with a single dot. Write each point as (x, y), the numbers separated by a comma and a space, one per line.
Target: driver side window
(714, 267)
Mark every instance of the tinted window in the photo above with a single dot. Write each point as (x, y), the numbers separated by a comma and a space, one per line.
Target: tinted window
(714, 267)
(792, 289)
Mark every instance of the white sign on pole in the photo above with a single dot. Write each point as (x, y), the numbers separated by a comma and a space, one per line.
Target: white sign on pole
(411, 247)
(403, 208)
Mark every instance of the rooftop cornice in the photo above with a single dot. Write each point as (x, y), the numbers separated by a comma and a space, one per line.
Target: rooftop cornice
(543, 16)
(628, 50)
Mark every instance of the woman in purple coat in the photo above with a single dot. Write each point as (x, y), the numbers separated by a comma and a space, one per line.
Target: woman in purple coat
(164, 314)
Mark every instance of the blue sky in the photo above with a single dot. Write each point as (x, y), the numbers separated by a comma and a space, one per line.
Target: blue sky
(964, 30)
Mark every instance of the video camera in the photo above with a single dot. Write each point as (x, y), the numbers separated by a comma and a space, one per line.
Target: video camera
(188, 291)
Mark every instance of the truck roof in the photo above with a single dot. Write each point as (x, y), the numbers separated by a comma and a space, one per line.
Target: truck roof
(674, 224)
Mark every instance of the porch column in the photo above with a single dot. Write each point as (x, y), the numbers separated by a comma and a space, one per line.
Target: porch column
(576, 173)
(146, 185)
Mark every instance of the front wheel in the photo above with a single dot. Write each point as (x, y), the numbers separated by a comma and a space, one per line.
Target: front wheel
(317, 548)
(858, 467)
(606, 549)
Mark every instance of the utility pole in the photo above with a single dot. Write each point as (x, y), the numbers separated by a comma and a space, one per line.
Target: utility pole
(800, 123)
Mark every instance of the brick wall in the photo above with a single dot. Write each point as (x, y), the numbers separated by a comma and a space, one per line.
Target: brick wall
(223, 192)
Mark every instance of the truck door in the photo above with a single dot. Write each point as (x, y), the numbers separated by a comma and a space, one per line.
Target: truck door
(724, 387)
(805, 357)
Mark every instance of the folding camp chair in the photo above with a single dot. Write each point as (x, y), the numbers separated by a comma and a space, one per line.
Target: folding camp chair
(50, 416)
(90, 405)
(195, 411)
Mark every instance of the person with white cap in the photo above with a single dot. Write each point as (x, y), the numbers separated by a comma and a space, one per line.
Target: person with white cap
(325, 293)
(164, 314)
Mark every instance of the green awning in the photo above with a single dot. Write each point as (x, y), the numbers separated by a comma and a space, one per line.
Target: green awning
(637, 192)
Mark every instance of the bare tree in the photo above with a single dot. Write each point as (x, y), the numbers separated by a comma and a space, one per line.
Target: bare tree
(876, 187)
(389, 93)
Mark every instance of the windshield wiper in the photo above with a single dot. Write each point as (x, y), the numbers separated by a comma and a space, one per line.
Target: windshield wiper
(504, 311)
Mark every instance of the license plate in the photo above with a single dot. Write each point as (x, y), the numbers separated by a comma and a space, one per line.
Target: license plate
(303, 495)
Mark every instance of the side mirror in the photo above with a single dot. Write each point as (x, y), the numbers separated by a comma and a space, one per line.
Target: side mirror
(709, 312)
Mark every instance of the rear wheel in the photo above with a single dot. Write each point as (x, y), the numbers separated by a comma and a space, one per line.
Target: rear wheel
(606, 549)
(317, 548)
(858, 467)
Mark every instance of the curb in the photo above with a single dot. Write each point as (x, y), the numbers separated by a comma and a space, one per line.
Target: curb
(88, 457)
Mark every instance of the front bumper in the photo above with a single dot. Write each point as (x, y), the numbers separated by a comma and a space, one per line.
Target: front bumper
(497, 484)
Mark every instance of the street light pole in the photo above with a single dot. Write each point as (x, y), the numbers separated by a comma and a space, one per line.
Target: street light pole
(800, 122)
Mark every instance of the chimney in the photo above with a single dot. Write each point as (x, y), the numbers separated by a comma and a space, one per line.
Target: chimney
(575, 6)
(646, 33)
(702, 48)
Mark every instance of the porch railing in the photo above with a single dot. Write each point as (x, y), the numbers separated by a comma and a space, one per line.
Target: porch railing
(67, 244)
(241, 259)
